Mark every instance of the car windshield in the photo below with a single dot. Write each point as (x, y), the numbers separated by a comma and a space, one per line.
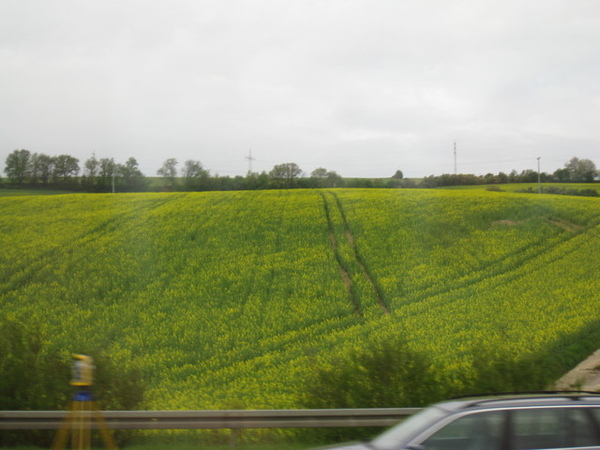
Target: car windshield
(408, 428)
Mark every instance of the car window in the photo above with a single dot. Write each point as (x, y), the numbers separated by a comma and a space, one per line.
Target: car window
(408, 428)
(595, 413)
(546, 428)
(478, 431)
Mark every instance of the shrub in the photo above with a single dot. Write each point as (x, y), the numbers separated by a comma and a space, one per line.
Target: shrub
(34, 376)
(386, 373)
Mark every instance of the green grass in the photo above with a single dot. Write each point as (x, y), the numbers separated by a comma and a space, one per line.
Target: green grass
(515, 187)
(27, 192)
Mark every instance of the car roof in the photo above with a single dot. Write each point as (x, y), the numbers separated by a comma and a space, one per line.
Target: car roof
(521, 400)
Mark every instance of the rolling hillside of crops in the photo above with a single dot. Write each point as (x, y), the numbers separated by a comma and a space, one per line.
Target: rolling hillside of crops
(230, 299)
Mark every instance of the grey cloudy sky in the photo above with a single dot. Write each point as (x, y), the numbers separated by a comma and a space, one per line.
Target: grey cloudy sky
(362, 87)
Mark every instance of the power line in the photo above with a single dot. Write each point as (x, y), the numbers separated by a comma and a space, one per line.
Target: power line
(250, 159)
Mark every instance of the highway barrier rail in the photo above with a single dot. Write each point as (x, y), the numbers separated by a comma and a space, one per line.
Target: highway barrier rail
(231, 419)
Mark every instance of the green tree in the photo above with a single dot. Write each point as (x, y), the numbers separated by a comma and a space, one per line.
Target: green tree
(562, 175)
(334, 180)
(502, 177)
(323, 178)
(398, 175)
(319, 172)
(107, 170)
(34, 168)
(65, 167)
(17, 166)
(195, 177)
(169, 172)
(45, 167)
(581, 170)
(286, 174)
(255, 180)
(318, 177)
(131, 176)
(528, 176)
(91, 167)
(41, 168)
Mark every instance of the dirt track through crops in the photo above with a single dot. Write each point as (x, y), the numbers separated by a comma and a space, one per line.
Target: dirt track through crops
(346, 274)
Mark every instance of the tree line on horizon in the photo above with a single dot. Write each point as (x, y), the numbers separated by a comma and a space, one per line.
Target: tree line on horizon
(25, 169)
(574, 171)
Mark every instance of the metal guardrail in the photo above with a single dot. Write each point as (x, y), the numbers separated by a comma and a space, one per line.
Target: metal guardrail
(232, 419)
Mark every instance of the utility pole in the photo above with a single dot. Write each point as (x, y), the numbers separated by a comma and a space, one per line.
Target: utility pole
(539, 183)
(455, 170)
(250, 159)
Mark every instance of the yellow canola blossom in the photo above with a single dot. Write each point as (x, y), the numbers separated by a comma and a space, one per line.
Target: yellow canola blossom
(229, 299)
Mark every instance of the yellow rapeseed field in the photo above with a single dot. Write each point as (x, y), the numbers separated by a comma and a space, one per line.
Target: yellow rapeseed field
(229, 299)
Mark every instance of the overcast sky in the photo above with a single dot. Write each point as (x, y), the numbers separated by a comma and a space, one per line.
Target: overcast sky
(361, 87)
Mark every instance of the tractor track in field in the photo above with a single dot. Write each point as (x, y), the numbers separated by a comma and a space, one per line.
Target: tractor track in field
(345, 274)
(508, 269)
(365, 270)
(345, 271)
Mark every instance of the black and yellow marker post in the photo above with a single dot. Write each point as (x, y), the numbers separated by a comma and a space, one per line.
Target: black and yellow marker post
(83, 411)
